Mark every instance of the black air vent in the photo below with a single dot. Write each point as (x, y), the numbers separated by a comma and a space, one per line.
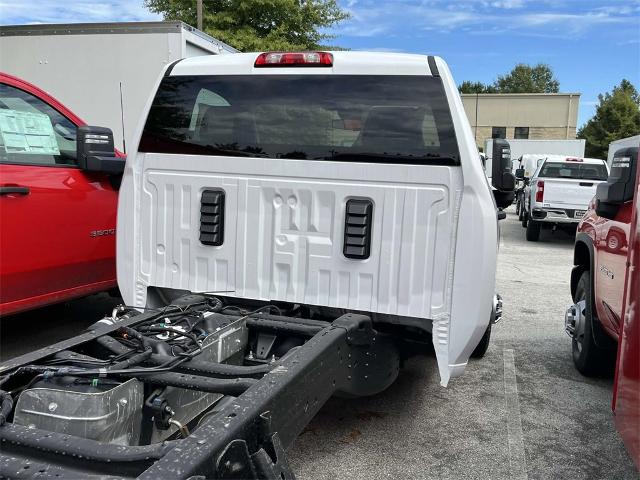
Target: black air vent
(357, 229)
(212, 217)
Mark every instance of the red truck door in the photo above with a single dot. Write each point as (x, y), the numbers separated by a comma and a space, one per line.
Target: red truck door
(612, 243)
(626, 391)
(57, 235)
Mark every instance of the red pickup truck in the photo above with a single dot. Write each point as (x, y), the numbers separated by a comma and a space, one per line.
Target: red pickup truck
(626, 391)
(605, 285)
(57, 217)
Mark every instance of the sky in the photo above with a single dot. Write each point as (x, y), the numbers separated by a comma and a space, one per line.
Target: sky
(591, 45)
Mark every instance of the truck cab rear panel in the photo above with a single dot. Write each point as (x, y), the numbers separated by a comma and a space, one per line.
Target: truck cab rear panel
(284, 234)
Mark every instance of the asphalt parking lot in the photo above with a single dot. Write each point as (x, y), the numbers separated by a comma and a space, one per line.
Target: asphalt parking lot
(522, 411)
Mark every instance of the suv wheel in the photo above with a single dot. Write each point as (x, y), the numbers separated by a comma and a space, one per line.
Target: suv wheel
(525, 217)
(533, 230)
(589, 359)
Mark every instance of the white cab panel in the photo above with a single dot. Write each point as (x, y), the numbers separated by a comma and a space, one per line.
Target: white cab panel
(283, 236)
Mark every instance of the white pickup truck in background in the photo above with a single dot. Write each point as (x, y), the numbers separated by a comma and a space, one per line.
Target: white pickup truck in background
(559, 192)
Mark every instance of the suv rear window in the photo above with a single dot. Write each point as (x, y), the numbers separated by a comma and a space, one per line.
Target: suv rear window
(403, 119)
(576, 170)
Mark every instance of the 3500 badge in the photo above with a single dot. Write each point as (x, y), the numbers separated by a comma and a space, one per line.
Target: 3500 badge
(102, 233)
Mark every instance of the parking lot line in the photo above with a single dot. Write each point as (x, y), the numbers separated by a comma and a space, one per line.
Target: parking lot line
(515, 439)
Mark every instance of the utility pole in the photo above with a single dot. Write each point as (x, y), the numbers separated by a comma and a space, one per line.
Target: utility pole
(199, 13)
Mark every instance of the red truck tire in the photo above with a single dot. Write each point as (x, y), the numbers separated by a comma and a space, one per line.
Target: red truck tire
(589, 359)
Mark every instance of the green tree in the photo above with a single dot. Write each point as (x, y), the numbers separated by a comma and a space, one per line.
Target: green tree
(617, 116)
(521, 79)
(259, 25)
(475, 87)
(527, 79)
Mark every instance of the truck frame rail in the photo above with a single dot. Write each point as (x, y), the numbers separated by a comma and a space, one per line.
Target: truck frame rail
(263, 403)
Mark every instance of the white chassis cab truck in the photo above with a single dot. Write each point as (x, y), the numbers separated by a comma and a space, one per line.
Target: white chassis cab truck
(559, 191)
(290, 227)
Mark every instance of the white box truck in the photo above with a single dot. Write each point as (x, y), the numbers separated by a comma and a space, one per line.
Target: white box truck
(622, 143)
(519, 147)
(102, 71)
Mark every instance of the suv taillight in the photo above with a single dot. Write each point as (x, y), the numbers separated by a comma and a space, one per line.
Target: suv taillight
(540, 191)
(294, 59)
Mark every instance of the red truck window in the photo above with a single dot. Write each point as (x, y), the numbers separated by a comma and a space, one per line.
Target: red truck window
(32, 132)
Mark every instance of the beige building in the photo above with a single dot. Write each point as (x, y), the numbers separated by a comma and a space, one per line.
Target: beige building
(548, 116)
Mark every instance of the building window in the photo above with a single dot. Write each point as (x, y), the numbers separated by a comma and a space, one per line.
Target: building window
(498, 132)
(521, 132)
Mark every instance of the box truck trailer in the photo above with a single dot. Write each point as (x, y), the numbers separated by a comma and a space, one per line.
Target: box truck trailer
(519, 147)
(102, 71)
(628, 142)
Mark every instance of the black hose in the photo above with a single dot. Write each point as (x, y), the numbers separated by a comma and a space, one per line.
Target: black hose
(67, 371)
(136, 359)
(112, 345)
(194, 365)
(98, 371)
(92, 450)
(173, 311)
(217, 304)
(280, 326)
(215, 369)
(177, 331)
(294, 320)
(6, 406)
(118, 349)
(130, 332)
(234, 387)
(69, 357)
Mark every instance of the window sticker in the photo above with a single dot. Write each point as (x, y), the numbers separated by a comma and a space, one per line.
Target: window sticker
(27, 132)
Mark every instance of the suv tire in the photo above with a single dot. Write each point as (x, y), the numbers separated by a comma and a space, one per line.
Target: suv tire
(533, 230)
(589, 359)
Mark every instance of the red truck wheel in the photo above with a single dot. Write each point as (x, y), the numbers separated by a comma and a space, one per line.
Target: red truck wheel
(589, 359)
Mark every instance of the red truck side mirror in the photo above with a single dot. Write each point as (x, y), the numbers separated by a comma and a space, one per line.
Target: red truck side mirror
(96, 151)
(620, 186)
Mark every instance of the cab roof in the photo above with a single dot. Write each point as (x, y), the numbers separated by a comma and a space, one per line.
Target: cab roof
(344, 63)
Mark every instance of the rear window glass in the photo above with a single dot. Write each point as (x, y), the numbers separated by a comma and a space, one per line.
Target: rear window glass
(577, 170)
(402, 119)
